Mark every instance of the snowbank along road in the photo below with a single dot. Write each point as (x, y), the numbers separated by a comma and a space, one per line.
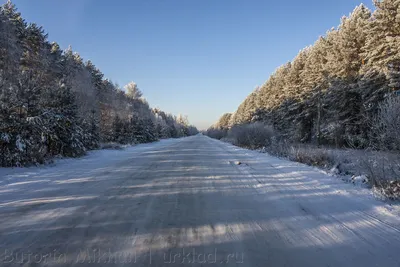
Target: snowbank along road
(186, 202)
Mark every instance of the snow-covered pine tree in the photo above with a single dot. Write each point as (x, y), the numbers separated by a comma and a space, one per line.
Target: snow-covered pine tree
(383, 37)
(132, 91)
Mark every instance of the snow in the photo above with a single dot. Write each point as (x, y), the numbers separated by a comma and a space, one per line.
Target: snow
(359, 179)
(20, 144)
(189, 193)
(335, 170)
(352, 187)
(93, 159)
(5, 137)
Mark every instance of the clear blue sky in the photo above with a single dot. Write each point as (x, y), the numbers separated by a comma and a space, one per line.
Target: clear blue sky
(200, 58)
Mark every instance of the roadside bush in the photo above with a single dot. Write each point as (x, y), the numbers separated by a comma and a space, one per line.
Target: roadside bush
(216, 133)
(312, 156)
(277, 147)
(383, 172)
(386, 125)
(253, 136)
(309, 155)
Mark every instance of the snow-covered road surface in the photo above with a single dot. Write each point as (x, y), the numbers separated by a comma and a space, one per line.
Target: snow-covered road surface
(185, 202)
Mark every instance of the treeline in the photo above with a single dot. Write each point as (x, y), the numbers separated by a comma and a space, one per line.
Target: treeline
(54, 103)
(340, 92)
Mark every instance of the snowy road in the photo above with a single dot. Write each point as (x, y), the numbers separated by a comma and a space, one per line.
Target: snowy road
(186, 203)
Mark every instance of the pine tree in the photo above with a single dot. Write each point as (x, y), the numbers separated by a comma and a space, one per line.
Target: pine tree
(224, 121)
(133, 91)
(383, 36)
(345, 44)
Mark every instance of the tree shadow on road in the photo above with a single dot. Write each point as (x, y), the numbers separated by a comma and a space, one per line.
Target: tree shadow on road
(190, 207)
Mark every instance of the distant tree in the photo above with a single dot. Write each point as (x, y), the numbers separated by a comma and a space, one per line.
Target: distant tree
(224, 121)
(133, 91)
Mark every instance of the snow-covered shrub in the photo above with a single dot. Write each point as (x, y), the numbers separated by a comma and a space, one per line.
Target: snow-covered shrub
(278, 147)
(216, 133)
(386, 126)
(312, 156)
(254, 135)
(390, 190)
(383, 173)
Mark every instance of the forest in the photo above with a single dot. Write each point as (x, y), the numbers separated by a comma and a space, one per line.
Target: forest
(53, 103)
(333, 91)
